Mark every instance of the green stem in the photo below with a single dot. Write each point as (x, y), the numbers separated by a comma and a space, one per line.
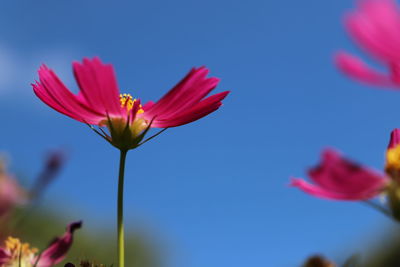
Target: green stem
(120, 207)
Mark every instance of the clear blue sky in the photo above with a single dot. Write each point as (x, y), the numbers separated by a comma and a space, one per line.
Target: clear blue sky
(215, 190)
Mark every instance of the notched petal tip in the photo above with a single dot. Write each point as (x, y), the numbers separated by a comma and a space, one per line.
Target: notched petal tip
(74, 226)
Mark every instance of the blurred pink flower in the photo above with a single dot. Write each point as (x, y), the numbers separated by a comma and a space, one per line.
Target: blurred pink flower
(100, 103)
(54, 162)
(11, 193)
(341, 179)
(375, 26)
(15, 253)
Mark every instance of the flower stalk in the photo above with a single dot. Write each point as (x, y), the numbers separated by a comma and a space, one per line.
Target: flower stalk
(120, 210)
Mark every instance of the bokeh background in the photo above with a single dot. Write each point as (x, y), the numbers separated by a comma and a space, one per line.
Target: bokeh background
(215, 192)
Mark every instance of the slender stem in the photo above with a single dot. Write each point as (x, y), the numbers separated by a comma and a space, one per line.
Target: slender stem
(120, 208)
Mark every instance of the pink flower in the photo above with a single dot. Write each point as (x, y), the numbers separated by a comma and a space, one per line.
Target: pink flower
(15, 253)
(340, 179)
(100, 103)
(11, 193)
(375, 26)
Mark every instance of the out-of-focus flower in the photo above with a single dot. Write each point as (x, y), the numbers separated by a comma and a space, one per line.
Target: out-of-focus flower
(341, 179)
(375, 26)
(17, 254)
(11, 193)
(100, 103)
(54, 162)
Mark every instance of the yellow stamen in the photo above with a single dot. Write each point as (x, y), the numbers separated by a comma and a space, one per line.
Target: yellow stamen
(128, 102)
(393, 158)
(19, 251)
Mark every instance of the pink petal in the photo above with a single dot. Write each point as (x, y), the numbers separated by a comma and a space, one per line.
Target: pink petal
(375, 26)
(188, 100)
(174, 93)
(321, 192)
(4, 256)
(356, 69)
(186, 93)
(48, 99)
(200, 110)
(394, 138)
(98, 85)
(52, 89)
(338, 174)
(339, 178)
(58, 249)
(148, 105)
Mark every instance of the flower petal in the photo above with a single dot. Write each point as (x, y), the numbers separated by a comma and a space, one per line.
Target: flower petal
(321, 192)
(200, 110)
(194, 87)
(4, 256)
(55, 94)
(338, 174)
(58, 249)
(98, 85)
(394, 138)
(358, 70)
(376, 27)
(338, 178)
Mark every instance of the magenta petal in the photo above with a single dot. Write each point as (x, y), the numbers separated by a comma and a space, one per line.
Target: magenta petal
(170, 97)
(51, 102)
(340, 174)
(338, 178)
(394, 138)
(200, 110)
(58, 249)
(375, 26)
(358, 70)
(321, 192)
(4, 256)
(98, 84)
(148, 105)
(187, 93)
(190, 98)
(52, 88)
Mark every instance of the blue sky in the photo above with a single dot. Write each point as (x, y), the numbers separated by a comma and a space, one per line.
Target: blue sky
(214, 191)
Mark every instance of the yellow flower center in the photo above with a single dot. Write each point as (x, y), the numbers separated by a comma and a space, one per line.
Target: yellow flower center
(21, 254)
(393, 158)
(128, 102)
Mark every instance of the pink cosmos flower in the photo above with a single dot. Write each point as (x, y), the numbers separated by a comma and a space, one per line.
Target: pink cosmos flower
(375, 26)
(341, 179)
(100, 103)
(15, 253)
